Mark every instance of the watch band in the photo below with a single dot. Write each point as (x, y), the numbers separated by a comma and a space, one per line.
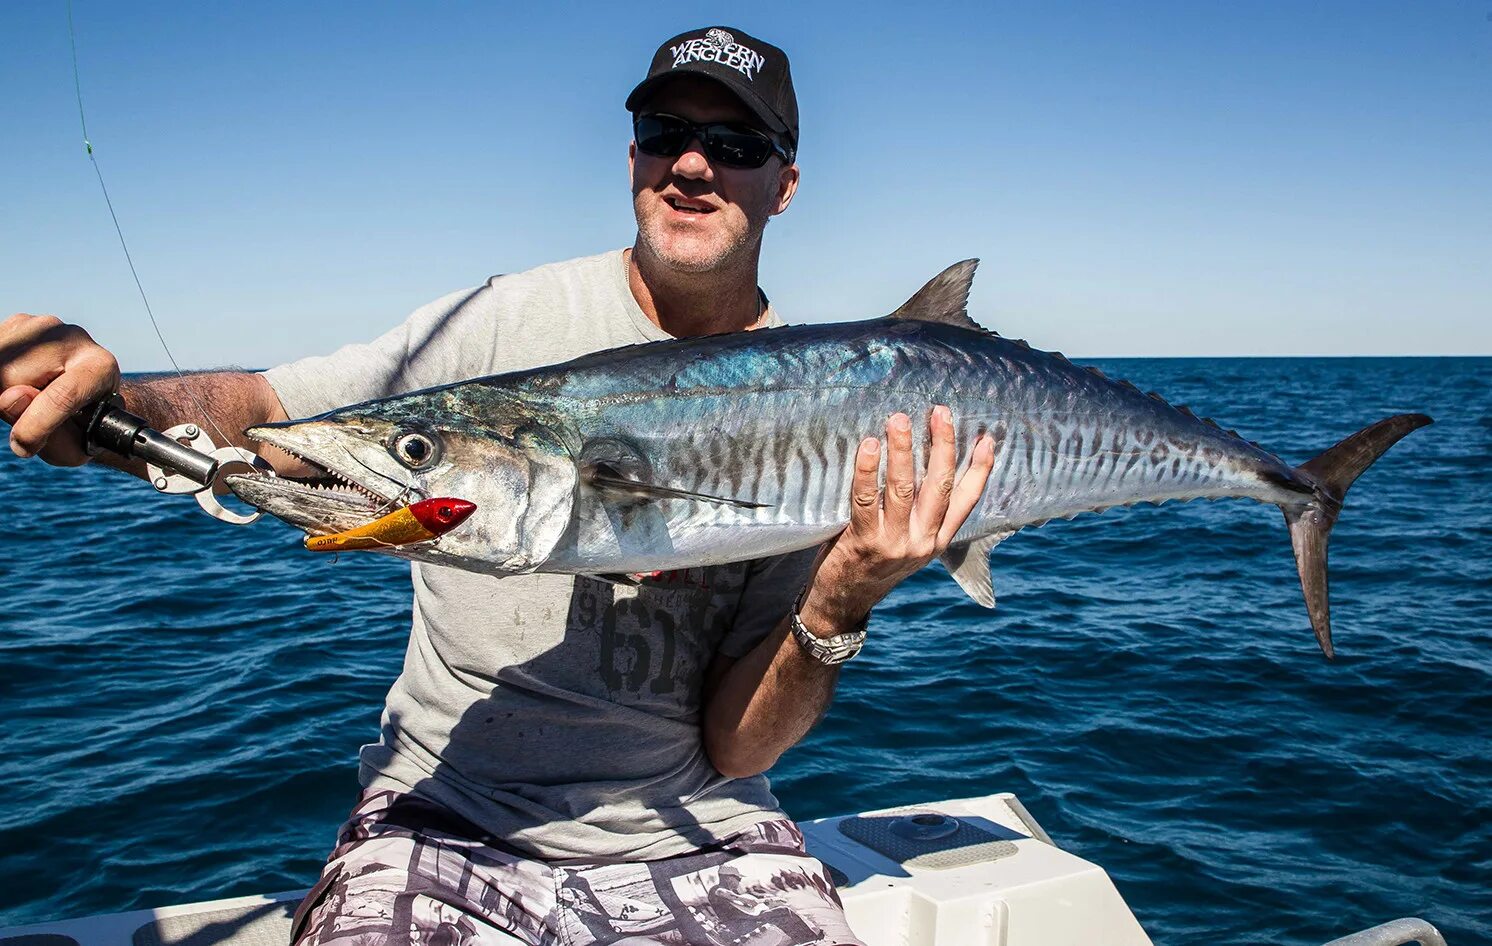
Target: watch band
(829, 651)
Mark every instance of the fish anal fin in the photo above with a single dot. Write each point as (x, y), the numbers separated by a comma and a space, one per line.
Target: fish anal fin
(944, 299)
(968, 563)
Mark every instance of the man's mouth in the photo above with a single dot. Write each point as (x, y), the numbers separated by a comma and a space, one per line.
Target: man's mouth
(687, 206)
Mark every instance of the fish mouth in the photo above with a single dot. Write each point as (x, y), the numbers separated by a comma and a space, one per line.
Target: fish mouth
(345, 488)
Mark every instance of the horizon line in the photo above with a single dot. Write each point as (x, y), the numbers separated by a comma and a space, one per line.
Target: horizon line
(239, 368)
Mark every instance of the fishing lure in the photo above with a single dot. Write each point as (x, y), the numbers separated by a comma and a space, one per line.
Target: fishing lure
(418, 522)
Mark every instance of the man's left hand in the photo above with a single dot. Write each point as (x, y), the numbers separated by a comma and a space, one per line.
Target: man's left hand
(895, 531)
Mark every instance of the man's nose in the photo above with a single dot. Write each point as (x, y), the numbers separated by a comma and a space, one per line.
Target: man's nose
(692, 163)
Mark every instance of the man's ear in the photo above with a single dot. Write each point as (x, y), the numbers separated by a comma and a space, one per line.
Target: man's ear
(787, 186)
(631, 161)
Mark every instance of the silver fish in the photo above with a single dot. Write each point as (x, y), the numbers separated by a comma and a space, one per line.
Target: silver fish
(707, 450)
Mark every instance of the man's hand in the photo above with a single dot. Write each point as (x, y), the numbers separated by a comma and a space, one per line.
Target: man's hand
(761, 705)
(48, 372)
(895, 531)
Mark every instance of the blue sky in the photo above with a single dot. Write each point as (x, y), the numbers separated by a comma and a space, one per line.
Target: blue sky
(1139, 179)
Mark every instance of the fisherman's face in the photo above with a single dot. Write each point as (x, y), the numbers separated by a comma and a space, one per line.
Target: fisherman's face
(730, 881)
(693, 214)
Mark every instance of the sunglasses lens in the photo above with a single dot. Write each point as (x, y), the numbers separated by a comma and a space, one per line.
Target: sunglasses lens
(661, 135)
(737, 147)
(665, 136)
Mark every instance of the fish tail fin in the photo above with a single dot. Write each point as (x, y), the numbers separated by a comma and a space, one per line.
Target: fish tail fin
(1330, 474)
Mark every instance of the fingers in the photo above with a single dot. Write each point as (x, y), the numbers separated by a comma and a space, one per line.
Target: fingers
(83, 382)
(901, 477)
(50, 371)
(15, 400)
(865, 488)
(14, 403)
(21, 333)
(904, 515)
(942, 464)
(968, 489)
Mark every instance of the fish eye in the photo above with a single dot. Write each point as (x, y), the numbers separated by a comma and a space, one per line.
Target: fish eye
(415, 450)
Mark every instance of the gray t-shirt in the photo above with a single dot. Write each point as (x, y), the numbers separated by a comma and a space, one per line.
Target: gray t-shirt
(561, 714)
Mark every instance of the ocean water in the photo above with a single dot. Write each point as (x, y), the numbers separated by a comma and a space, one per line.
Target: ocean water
(183, 701)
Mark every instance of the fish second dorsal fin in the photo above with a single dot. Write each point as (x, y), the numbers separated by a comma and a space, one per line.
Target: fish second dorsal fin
(944, 299)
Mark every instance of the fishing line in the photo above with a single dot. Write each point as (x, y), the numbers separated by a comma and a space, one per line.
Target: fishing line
(98, 172)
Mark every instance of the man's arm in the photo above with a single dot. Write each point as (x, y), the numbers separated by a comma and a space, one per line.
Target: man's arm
(762, 704)
(230, 400)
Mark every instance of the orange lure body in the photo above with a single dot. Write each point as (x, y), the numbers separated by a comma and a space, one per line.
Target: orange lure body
(418, 522)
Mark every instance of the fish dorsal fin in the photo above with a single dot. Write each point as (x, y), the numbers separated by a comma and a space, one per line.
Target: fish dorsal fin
(944, 299)
(968, 563)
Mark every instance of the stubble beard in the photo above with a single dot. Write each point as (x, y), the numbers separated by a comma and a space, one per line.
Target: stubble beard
(707, 256)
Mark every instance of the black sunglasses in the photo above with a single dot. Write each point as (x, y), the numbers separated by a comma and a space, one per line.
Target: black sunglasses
(735, 146)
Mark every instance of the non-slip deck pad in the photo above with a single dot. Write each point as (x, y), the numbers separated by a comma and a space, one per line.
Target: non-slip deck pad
(264, 924)
(933, 846)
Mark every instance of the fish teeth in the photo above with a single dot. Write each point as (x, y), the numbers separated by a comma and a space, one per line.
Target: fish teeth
(342, 483)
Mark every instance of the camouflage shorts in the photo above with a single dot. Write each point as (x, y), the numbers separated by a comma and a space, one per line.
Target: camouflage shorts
(407, 872)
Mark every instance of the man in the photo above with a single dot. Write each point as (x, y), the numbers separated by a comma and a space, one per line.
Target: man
(745, 912)
(563, 759)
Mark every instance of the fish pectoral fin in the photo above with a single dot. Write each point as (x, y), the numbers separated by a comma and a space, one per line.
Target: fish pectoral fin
(614, 484)
(968, 563)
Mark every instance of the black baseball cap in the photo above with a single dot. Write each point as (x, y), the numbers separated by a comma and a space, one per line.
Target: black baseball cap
(754, 71)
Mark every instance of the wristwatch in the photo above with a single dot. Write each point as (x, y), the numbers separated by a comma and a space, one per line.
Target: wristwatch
(828, 651)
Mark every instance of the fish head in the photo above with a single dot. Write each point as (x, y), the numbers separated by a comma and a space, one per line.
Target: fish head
(497, 452)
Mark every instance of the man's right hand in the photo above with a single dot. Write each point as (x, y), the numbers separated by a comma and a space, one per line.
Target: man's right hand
(49, 371)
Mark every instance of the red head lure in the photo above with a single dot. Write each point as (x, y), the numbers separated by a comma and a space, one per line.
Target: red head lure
(419, 522)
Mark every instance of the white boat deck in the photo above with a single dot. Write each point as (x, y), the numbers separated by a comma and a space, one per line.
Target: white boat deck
(962, 872)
